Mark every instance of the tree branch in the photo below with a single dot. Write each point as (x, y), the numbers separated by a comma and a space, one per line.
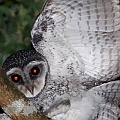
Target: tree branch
(14, 103)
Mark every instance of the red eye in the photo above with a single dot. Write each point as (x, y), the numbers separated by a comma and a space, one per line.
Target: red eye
(16, 78)
(35, 71)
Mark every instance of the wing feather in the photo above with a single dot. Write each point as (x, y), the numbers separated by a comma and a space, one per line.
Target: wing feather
(89, 28)
(110, 95)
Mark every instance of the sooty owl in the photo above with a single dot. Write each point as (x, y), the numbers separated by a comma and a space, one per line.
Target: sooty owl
(28, 70)
(63, 98)
(80, 42)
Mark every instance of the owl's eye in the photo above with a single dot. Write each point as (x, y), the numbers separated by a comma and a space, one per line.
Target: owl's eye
(16, 78)
(35, 70)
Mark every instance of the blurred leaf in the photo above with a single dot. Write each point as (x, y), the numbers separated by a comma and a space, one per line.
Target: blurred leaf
(16, 20)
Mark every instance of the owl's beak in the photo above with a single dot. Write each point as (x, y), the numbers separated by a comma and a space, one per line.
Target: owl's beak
(30, 89)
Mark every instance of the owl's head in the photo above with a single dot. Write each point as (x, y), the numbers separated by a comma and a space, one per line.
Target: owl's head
(28, 70)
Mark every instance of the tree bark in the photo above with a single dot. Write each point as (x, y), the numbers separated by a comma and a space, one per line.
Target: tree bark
(14, 103)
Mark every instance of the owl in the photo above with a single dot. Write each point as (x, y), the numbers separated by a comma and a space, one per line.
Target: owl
(63, 98)
(28, 70)
(73, 72)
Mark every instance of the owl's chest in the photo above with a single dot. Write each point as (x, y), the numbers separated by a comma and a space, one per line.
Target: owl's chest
(80, 110)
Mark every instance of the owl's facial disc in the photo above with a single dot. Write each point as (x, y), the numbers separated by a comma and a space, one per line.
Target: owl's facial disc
(28, 70)
(35, 72)
(31, 79)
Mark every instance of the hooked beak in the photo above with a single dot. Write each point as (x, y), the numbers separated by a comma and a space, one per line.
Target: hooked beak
(30, 88)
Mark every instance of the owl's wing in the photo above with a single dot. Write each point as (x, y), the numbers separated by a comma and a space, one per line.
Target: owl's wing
(86, 30)
(109, 96)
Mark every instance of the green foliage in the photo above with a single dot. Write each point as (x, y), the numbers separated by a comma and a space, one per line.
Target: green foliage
(16, 21)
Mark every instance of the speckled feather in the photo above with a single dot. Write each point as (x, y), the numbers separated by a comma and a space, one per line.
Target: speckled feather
(16, 59)
(81, 40)
(89, 29)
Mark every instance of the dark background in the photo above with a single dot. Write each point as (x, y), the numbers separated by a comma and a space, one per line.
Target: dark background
(16, 21)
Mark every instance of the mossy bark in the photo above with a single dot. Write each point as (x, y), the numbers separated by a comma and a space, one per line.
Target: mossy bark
(14, 103)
